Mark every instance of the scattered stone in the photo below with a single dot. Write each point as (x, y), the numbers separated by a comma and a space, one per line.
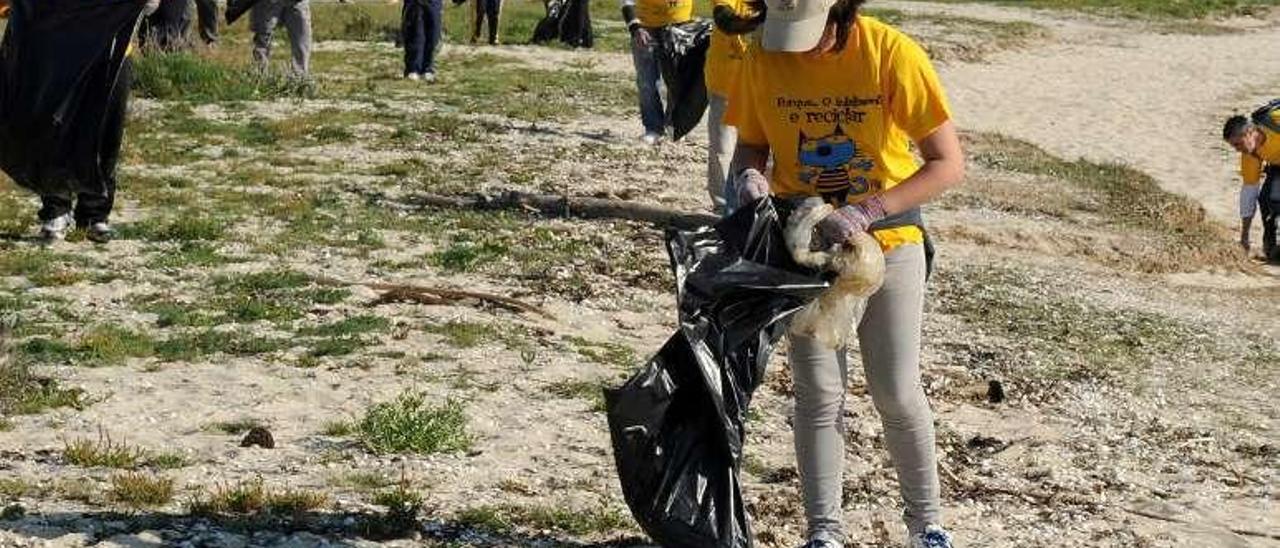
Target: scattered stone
(995, 392)
(12, 512)
(259, 436)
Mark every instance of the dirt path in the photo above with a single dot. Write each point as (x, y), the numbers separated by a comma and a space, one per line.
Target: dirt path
(1081, 95)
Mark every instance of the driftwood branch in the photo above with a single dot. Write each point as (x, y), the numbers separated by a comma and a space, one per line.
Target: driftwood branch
(570, 206)
(436, 295)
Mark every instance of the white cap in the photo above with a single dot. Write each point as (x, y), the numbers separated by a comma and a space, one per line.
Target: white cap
(794, 25)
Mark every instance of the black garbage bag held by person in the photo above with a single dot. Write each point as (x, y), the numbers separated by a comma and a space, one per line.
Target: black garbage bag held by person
(59, 61)
(685, 57)
(566, 20)
(678, 425)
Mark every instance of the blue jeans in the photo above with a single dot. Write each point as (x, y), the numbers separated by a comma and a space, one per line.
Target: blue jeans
(421, 20)
(647, 74)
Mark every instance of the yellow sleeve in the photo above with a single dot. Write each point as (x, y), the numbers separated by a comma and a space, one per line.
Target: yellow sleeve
(742, 113)
(916, 99)
(1250, 169)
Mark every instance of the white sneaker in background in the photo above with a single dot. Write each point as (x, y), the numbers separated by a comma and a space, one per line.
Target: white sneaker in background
(429, 77)
(651, 138)
(413, 76)
(56, 228)
(933, 536)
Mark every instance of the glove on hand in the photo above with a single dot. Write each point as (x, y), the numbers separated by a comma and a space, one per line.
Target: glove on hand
(751, 184)
(842, 224)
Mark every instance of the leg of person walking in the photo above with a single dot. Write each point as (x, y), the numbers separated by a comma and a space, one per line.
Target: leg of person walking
(297, 20)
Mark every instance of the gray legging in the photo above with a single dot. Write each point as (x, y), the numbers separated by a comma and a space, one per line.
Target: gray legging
(889, 336)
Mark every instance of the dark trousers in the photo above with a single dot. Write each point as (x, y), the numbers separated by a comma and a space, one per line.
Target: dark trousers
(166, 29)
(490, 10)
(1269, 205)
(421, 21)
(96, 208)
(207, 15)
(576, 29)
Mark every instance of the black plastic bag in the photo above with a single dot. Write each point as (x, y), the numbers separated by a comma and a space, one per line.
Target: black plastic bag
(566, 20)
(683, 59)
(678, 424)
(167, 28)
(59, 61)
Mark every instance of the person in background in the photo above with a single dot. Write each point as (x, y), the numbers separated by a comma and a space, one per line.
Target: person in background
(295, 15)
(724, 61)
(1259, 148)
(489, 10)
(839, 99)
(646, 21)
(207, 18)
(422, 22)
(91, 211)
(166, 29)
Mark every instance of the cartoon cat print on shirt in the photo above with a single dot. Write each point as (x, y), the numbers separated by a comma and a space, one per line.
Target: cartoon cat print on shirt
(829, 162)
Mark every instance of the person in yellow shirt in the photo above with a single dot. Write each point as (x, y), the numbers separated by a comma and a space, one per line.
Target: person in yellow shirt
(724, 62)
(1257, 139)
(838, 98)
(646, 20)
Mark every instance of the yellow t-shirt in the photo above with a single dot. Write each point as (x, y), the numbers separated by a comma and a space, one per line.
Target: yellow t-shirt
(660, 13)
(1268, 154)
(841, 125)
(724, 57)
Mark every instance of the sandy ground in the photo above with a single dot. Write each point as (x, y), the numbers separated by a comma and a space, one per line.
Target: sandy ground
(1061, 464)
(1113, 93)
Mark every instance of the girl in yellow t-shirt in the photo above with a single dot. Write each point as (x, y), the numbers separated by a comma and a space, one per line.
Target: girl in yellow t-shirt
(838, 98)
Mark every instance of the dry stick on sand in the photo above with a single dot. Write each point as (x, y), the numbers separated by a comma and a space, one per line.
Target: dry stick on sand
(570, 206)
(436, 295)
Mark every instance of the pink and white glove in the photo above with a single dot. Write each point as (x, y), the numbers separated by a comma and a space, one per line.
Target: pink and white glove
(751, 184)
(842, 224)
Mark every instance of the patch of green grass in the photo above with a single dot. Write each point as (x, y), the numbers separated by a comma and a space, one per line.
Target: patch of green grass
(504, 519)
(410, 424)
(14, 488)
(253, 498)
(336, 346)
(235, 427)
(188, 254)
(1071, 338)
(167, 461)
(189, 346)
(43, 268)
(22, 392)
(102, 453)
(186, 228)
(363, 481)
(584, 390)
(177, 314)
(140, 490)
(1184, 236)
(605, 353)
(464, 256)
(348, 327)
(190, 77)
(105, 345)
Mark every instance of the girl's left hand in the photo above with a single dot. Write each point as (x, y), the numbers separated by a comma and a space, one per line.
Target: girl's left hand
(844, 223)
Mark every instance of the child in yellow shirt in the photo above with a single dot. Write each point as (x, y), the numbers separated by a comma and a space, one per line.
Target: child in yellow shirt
(1258, 142)
(838, 98)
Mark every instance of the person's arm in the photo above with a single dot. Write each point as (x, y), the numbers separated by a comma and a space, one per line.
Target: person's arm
(4, 9)
(638, 33)
(943, 168)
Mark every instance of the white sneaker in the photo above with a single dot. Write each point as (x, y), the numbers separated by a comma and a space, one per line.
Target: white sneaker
(413, 76)
(56, 228)
(429, 77)
(933, 536)
(651, 138)
(99, 232)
